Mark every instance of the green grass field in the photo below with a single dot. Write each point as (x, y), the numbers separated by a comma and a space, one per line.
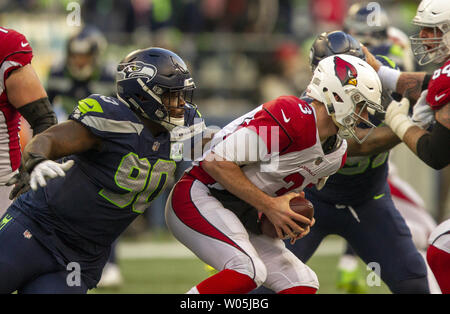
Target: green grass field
(177, 274)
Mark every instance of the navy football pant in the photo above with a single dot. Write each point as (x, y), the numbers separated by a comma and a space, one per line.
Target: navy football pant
(27, 266)
(380, 236)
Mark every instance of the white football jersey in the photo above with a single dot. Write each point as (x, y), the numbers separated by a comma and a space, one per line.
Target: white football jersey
(15, 52)
(277, 146)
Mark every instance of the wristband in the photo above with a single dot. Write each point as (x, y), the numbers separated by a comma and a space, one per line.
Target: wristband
(400, 124)
(389, 77)
(32, 161)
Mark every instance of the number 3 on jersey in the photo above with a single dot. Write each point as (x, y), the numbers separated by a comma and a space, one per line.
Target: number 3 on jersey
(143, 181)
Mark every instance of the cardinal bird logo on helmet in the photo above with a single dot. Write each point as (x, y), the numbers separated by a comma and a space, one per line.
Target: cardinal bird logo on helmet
(345, 71)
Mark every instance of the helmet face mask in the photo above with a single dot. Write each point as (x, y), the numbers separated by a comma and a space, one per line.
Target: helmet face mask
(155, 83)
(431, 49)
(347, 125)
(432, 43)
(348, 87)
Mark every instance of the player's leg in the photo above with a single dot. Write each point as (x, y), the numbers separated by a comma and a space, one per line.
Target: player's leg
(381, 236)
(55, 283)
(421, 224)
(111, 275)
(22, 257)
(349, 274)
(286, 274)
(304, 248)
(439, 261)
(216, 236)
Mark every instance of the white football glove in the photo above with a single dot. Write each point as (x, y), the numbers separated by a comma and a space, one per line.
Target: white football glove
(397, 117)
(48, 169)
(423, 115)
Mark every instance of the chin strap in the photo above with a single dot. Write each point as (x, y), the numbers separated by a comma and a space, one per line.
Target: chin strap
(174, 122)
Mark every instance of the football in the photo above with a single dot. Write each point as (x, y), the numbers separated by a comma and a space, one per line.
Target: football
(299, 205)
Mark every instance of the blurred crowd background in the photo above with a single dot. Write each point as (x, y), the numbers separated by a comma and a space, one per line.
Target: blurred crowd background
(241, 53)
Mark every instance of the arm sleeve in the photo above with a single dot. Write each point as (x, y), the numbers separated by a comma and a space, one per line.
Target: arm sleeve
(433, 148)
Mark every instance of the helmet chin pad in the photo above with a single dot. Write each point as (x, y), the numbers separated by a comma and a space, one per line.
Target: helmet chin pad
(170, 122)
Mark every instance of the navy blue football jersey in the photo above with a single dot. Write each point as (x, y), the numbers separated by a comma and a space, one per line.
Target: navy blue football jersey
(105, 190)
(78, 216)
(361, 179)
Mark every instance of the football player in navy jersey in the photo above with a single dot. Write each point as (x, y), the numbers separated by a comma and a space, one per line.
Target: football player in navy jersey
(92, 175)
(356, 203)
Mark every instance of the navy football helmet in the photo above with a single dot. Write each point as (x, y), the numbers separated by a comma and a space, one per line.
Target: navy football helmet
(368, 22)
(149, 80)
(332, 43)
(83, 51)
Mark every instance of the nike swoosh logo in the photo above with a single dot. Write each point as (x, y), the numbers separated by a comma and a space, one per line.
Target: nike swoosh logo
(439, 98)
(284, 117)
(89, 106)
(23, 45)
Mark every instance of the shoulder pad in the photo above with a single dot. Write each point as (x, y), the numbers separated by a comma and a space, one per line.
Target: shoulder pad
(297, 118)
(15, 47)
(439, 87)
(106, 116)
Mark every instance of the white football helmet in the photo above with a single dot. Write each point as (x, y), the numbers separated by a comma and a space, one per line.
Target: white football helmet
(341, 82)
(434, 14)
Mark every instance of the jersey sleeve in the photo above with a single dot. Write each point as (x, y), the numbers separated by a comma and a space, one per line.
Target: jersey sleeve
(439, 87)
(15, 52)
(106, 118)
(285, 124)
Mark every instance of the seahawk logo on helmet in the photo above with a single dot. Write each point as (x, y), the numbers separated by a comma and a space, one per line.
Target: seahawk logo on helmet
(155, 82)
(345, 71)
(136, 69)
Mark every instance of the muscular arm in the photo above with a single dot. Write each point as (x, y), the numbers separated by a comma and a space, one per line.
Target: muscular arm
(26, 93)
(382, 139)
(409, 84)
(432, 147)
(23, 86)
(61, 140)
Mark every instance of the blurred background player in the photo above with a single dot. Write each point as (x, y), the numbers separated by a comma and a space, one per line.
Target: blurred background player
(369, 23)
(21, 94)
(81, 73)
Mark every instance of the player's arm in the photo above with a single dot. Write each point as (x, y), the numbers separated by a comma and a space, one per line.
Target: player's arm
(277, 209)
(223, 165)
(64, 139)
(381, 140)
(26, 93)
(431, 147)
(61, 140)
(409, 84)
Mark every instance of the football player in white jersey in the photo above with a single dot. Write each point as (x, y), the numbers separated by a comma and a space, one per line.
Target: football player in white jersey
(21, 93)
(256, 165)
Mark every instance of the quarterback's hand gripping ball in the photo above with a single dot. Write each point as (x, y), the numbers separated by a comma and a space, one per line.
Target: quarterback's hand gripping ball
(299, 205)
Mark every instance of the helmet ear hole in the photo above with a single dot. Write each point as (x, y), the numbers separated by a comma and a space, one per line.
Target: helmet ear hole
(337, 97)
